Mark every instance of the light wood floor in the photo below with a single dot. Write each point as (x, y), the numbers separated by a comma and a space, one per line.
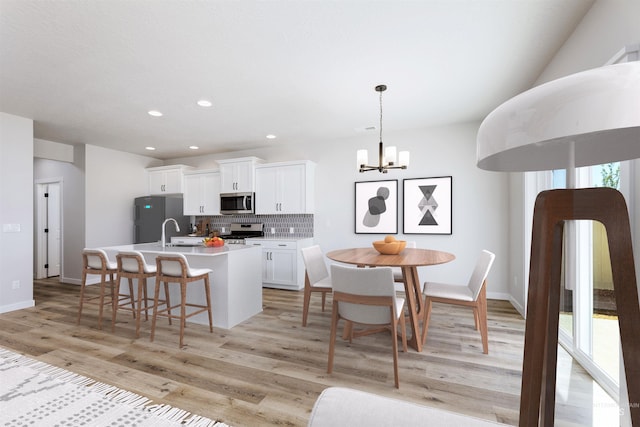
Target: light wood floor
(270, 370)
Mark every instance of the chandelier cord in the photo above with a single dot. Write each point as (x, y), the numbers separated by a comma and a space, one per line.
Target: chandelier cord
(380, 116)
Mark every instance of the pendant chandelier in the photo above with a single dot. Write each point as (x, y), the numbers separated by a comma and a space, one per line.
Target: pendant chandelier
(386, 157)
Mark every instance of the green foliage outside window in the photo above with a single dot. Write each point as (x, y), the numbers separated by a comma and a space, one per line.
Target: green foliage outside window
(610, 175)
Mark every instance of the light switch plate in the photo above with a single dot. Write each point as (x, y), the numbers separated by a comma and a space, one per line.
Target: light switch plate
(10, 228)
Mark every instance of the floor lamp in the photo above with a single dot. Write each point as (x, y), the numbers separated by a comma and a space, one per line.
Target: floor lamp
(584, 119)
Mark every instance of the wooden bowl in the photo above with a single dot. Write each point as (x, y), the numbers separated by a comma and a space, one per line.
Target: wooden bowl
(391, 248)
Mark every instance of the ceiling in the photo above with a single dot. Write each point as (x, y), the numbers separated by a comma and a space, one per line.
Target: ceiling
(305, 71)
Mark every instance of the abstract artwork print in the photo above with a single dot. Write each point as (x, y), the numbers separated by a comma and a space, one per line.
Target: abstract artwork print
(376, 209)
(427, 205)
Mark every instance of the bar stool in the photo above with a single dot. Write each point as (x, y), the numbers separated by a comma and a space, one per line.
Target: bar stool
(175, 268)
(131, 265)
(96, 262)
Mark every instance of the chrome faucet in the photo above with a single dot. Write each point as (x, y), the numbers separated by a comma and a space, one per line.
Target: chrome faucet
(163, 224)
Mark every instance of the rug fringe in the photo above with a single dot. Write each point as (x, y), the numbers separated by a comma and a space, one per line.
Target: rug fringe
(113, 393)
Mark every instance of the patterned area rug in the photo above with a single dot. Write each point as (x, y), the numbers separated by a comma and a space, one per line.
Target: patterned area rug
(35, 393)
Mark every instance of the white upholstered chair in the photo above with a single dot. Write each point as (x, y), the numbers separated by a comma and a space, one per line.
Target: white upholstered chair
(473, 294)
(366, 296)
(316, 278)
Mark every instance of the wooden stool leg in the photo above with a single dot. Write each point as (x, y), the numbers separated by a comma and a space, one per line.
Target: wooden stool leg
(142, 282)
(114, 308)
(183, 311)
(83, 285)
(103, 283)
(155, 309)
(146, 299)
(131, 297)
(166, 297)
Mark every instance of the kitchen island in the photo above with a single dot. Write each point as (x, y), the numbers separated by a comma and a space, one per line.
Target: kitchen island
(236, 279)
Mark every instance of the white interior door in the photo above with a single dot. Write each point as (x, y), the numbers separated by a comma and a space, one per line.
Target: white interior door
(48, 230)
(54, 226)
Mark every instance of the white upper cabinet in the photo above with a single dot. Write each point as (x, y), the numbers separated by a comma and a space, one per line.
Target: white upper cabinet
(238, 175)
(167, 179)
(285, 188)
(201, 193)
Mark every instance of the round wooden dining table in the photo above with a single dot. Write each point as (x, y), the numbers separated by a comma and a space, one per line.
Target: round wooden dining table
(408, 260)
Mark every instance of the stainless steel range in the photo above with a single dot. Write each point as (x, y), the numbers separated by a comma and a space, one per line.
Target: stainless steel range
(239, 232)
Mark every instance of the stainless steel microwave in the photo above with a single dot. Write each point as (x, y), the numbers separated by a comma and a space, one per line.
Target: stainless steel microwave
(237, 203)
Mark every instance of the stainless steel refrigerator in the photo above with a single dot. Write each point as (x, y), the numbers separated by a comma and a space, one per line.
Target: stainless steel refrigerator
(150, 213)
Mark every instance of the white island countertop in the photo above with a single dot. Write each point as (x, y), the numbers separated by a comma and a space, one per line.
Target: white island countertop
(199, 250)
(236, 278)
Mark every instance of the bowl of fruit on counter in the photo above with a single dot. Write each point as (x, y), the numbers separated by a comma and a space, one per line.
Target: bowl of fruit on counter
(213, 242)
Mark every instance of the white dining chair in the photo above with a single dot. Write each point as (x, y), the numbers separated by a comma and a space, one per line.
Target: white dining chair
(473, 294)
(366, 296)
(316, 278)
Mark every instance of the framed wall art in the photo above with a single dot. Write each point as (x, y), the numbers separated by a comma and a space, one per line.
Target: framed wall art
(427, 205)
(376, 210)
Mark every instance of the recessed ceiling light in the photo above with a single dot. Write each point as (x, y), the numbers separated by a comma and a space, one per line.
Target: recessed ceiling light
(155, 113)
(271, 136)
(150, 148)
(194, 147)
(204, 103)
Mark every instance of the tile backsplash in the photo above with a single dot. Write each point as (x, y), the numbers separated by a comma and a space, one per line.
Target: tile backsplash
(302, 224)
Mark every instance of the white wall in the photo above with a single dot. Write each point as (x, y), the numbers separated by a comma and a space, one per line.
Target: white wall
(72, 205)
(16, 208)
(98, 192)
(480, 198)
(113, 180)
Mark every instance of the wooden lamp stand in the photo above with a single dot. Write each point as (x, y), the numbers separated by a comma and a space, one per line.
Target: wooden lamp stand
(552, 209)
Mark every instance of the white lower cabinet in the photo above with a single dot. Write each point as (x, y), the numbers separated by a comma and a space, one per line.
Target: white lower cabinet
(282, 265)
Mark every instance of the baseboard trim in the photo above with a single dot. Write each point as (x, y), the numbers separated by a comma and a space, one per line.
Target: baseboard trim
(519, 308)
(17, 306)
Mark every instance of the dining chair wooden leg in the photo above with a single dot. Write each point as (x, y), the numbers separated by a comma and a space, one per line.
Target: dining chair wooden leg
(332, 339)
(403, 329)
(482, 322)
(394, 346)
(324, 297)
(306, 302)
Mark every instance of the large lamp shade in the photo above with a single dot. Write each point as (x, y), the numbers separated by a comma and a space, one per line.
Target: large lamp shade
(584, 119)
(588, 118)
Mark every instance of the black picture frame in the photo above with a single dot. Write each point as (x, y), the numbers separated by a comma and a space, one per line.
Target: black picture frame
(427, 205)
(376, 207)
